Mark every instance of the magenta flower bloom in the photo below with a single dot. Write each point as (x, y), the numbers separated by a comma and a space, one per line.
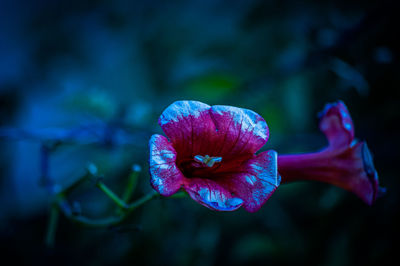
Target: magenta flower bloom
(346, 162)
(210, 153)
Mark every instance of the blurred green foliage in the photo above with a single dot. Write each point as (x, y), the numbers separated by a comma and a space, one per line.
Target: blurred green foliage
(216, 86)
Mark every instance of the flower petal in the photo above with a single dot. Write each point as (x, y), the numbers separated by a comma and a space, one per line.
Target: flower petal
(210, 194)
(189, 126)
(196, 128)
(336, 123)
(364, 181)
(241, 131)
(256, 181)
(371, 173)
(166, 178)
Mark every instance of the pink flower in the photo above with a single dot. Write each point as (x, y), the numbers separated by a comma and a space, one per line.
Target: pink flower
(210, 153)
(346, 162)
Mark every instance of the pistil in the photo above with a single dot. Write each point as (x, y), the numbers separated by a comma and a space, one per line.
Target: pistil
(207, 160)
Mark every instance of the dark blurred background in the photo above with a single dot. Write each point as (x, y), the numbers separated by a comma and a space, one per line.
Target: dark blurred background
(97, 74)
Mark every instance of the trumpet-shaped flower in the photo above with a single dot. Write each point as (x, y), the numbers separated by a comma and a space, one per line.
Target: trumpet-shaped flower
(210, 153)
(345, 162)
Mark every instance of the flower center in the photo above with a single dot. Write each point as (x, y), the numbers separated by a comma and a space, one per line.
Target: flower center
(207, 160)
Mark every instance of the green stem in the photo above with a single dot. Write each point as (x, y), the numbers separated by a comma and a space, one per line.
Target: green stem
(52, 226)
(104, 222)
(142, 201)
(112, 195)
(65, 207)
(133, 177)
(125, 209)
(76, 184)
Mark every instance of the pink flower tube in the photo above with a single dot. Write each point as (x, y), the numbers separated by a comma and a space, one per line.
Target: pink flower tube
(346, 162)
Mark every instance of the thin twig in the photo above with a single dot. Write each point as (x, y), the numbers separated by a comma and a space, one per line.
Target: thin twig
(142, 201)
(52, 226)
(111, 195)
(132, 181)
(87, 134)
(66, 209)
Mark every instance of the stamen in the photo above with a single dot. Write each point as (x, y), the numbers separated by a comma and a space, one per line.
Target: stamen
(207, 160)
